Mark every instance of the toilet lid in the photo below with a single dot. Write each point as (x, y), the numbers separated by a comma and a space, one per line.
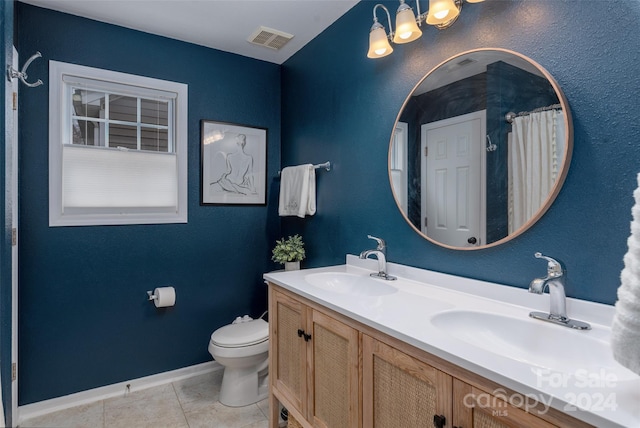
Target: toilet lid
(241, 334)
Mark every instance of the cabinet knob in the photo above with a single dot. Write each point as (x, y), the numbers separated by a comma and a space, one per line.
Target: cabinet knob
(439, 421)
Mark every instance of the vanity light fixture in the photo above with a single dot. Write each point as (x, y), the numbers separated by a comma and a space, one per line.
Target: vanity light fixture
(441, 14)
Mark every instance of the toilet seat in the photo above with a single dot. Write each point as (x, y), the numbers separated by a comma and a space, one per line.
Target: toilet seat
(241, 334)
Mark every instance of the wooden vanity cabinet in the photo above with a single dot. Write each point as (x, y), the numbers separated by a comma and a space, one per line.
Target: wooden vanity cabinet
(330, 371)
(400, 391)
(477, 408)
(314, 365)
(288, 351)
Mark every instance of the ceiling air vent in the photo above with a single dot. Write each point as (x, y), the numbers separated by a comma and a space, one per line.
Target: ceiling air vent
(270, 38)
(466, 61)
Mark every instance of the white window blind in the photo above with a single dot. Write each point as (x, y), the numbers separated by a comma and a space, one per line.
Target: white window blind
(94, 178)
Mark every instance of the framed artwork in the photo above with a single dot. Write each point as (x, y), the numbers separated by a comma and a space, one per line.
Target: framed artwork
(233, 164)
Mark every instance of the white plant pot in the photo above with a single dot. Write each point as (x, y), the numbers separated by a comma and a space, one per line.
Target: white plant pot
(291, 266)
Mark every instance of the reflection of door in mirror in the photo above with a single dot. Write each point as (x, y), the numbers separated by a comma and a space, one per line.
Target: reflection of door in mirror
(398, 163)
(453, 170)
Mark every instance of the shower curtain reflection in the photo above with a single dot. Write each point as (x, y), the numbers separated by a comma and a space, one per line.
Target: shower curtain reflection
(535, 146)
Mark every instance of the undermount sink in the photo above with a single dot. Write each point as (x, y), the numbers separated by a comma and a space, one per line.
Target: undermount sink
(349, 283)
(542, 345)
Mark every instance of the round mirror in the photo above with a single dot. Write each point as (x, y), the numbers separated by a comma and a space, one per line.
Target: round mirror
(480, 149)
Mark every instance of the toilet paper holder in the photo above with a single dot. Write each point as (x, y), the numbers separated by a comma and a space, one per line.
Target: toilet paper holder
(162, 297)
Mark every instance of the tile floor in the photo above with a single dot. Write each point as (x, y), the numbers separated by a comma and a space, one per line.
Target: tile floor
(189, 403)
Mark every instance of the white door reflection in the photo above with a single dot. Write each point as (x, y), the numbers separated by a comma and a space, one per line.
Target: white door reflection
(453, 175)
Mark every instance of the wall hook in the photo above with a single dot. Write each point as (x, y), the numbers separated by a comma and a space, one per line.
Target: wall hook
(490, 146)
(22, 75)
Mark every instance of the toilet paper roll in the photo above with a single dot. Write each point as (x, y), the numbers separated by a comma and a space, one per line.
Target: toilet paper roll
(165, 296)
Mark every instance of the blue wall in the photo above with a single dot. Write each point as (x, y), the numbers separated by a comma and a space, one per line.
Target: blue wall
(595, 58)
(6, 41)
(84, 320)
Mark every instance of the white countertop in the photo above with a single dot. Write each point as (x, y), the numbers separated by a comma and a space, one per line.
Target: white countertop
(606, 395)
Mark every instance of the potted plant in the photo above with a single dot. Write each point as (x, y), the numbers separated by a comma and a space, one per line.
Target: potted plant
(289, 252)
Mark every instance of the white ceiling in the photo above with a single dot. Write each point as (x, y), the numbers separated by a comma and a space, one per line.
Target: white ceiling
(220, 24)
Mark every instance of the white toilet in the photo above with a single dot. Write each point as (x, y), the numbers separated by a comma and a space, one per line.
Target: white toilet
(243, 349)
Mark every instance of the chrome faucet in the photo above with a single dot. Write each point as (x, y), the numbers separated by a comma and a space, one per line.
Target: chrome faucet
(381, 254)
(555, 280)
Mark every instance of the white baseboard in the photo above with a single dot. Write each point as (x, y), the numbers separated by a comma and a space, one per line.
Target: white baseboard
(114, 390)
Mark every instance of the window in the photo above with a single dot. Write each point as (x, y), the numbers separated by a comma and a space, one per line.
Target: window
(398, 164)
(117, 148)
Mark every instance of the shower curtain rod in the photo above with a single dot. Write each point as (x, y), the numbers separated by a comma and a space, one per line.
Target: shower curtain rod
(509, 117)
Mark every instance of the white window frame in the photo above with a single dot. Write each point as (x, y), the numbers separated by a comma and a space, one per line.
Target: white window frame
(60, 135)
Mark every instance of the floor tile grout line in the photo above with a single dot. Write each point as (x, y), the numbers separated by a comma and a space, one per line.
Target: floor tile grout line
(261, 410)
(173, 386)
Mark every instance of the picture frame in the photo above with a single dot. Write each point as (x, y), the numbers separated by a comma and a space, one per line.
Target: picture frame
(233, 164)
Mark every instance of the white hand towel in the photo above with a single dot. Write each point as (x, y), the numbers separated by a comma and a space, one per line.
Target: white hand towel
(625, 330)
(297, 191)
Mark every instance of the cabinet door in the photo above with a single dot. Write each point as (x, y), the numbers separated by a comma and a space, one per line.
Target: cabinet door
(333, 364)
(474, 408)
(400, 391)
(288, 350)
